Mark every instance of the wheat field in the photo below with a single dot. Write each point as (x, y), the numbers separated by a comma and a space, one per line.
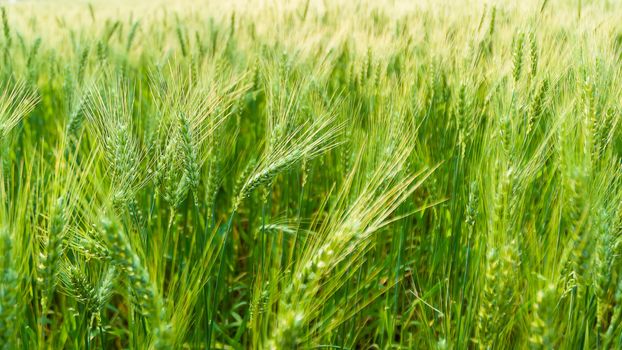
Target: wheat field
(311, 174)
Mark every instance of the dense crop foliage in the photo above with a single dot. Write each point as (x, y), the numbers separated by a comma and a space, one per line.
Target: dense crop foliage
(307, 174)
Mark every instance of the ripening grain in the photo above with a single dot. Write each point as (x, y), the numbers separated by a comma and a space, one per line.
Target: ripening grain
(310, 174)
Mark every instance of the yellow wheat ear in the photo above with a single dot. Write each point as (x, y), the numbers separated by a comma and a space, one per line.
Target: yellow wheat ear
(16, 102)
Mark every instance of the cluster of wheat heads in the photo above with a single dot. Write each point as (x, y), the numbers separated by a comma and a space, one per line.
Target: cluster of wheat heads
(310, 174)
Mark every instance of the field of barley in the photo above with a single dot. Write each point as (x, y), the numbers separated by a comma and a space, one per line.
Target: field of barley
(308, 174)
